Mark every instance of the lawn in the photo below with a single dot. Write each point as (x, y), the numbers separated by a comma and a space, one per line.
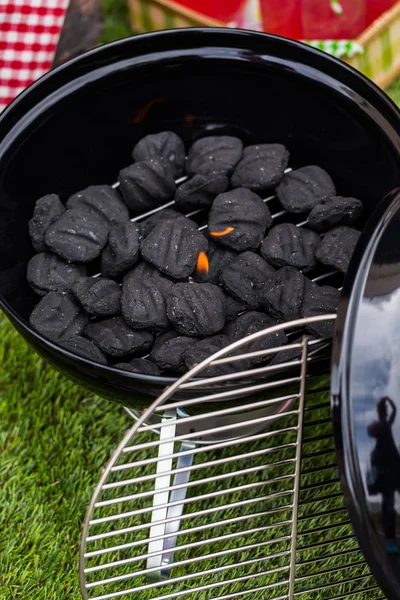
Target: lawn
(54, 440)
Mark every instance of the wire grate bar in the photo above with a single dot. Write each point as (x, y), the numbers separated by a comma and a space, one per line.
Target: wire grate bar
(333, 584)
(343, 538)
(326, 557)
(192, 590)
(318, 438)
(208, 511)
(198, 544)
(204, 449)
(191, 530)
(142, 511)
(253, 561)
(322, 498)
(194, 483)
(221, 429)
(329, 527)
(262, 370)
(266, 352)
(246, 592)
(227, 411)
(324, 513)
(239, 392)
(323, 405)
(331, 570)
(320, 484)
(214, 463)
(308, 455)
(365, 592)
(235, 441)
(319, 469)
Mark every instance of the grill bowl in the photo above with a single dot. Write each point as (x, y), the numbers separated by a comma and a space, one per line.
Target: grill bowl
(77, 125)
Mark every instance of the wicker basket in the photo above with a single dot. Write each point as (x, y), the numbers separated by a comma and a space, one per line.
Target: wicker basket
(380, 60)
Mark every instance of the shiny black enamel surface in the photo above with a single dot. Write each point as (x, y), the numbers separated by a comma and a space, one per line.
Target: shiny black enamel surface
(366, 392)
(78, 124)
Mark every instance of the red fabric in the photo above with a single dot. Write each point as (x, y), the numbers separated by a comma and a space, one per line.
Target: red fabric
(29, 33)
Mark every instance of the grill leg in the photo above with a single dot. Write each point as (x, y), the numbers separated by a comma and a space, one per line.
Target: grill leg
(163, 534)
(175, 511)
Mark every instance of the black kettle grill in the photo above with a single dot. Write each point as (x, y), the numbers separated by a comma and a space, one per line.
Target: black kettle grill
(77, 125)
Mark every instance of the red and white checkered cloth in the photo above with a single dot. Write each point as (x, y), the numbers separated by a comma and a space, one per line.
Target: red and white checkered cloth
(29, 33)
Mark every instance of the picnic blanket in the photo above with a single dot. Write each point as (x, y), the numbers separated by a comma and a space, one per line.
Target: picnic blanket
(29, 33)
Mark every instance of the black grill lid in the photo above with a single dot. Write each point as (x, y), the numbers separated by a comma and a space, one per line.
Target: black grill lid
(365, 392)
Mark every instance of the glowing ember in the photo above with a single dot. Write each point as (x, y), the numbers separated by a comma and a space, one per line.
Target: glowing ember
(189, 119)
(143, 111)
(202, 263)
(221, 233)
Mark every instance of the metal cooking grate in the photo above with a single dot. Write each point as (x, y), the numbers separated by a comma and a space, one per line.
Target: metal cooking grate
(279, 215)
(257, 512)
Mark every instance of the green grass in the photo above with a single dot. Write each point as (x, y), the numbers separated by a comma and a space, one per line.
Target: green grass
(116, 20)
(394, 91)
(54, 441)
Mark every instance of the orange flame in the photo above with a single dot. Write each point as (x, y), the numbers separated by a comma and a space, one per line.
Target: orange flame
(202, 263)
(221, 233)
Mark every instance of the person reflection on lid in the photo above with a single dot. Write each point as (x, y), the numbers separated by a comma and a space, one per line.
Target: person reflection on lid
(385, 461)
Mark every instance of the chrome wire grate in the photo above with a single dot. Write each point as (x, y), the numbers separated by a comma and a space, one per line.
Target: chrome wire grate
(232, 494)
(319, 275)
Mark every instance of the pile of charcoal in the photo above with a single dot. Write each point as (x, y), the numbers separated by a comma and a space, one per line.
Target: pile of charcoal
(159, 293)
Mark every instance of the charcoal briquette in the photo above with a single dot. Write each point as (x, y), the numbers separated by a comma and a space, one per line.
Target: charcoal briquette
(238, 219)
(58, 315)
(337, 247)
(115, 338)
(283, 294)
(200, 190)
(78, 235)
(289, 246)
(218, 258)
(250, 323)
(333, 212)
(261, 166)
(122, 250)
(244, 278)
(173, 247)
(143, 304)
(196, 309)
(139, 365)
(146, 185)
(48, 272)
(166, 214)
(301, 190)
(320, 300)
(233, 308)
(47, 210)
(214, 154)
(143, 271)
(83, 347)
(203, 349)
(166, 145)
(169, 349)
(104, 201)
(99, 296)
